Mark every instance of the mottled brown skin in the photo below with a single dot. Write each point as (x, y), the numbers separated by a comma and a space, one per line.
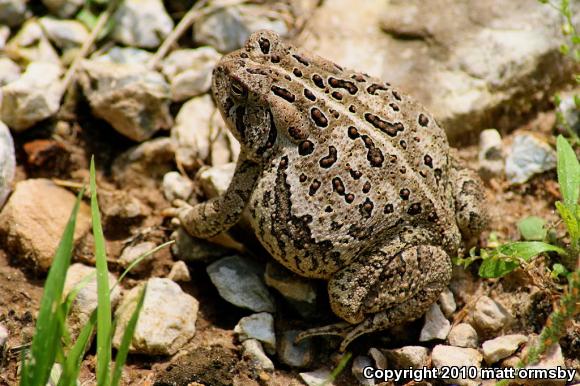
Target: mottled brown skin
(346, 180)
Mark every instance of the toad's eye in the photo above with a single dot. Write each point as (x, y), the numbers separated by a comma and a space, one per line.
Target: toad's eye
(238, 88)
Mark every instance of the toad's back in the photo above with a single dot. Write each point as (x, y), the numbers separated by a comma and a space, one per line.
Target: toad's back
(356, 163)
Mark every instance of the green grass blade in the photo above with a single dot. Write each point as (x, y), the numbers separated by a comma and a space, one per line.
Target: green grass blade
(72, 365)
(568, 172)
(36, 369)
(104, 301)
(126, 340)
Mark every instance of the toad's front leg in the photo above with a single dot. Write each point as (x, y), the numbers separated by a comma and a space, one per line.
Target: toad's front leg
(217, 215)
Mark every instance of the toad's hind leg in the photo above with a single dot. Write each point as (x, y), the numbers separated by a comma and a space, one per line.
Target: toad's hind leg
(391, 291)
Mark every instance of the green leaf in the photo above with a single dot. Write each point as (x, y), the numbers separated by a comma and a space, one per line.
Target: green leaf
(572, 222)
(532, 228)
(496, 267)
(525, 250)
(568, 172)
(103, 300)
(577, 101)
(126, 339)
(558, 270)
(49, 327)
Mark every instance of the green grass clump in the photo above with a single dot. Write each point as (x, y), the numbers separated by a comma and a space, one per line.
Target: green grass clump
(51, 342)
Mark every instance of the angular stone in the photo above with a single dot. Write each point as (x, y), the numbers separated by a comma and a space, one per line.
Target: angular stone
(64, 33)
(491, 155)
(166, 322)
(408, 356)
(528, 155)
(215, 180)
(239, 281)
(125, 55)
(9, 71)
(34, 218)
(134, 100)
(489, 315)
(141, 23)
(176, 186)
(63, 8)
(254, 350)
(7, 163)
(298, 291)
(436, 325)
(258, 326)
(317, 377)
(456, 356)
(294, 355)
(179, 272)
(30, 44)
(447, 302)
(463, 335)
(12, 12)
(32, 97)
(502, 347)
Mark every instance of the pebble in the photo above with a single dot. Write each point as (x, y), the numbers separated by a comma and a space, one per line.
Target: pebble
(7, 163)
(358, 365)
(63, 8)
(189, 248)
(30, 44)
(166, 322)
(254, 350)
(133, 252)
(141, 23)
(456, 356)
(463, 335)
(3, 337)
(179, 272)
(298, 291)
(317, 377)
(489, 315)
(491, 157)
(32, 224)
(436, 325)
(175, 186)
(12, 12)
(64, 33)
(125, 55)
(407, 356)
(120, 209)
(86, 300)
(258, 326)
(214, 180)
(447, 302)
(502, 347)
(132, 99)
(9, 71)
(239, 281)
(228, 28)
(528, 155)
(31, 98)
(378, 357)
(189, 71)
(295, 355)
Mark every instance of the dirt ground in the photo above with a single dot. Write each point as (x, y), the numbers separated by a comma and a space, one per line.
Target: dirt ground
(214, 356)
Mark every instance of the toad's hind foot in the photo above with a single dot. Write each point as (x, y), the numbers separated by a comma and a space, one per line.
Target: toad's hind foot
(347, 331)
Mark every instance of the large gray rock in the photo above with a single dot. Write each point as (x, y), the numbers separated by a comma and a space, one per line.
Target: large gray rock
(239, 281)
(142, 23)
(32, 97)
(473, 64)
(7, 162)
(166, 322)
(134, 100)
(34, 218)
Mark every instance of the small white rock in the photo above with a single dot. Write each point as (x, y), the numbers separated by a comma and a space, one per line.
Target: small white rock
(7, 163)
(436, 325)
(378, 357)
(447, 302)
(64, 33)
(9, 71)
(3, 336)
(166, 322)
(124, 55)
(142, 23)
(528, 155)
(254, 350)
(489, 315)
(292, 354)
(408, 356)
(502, 347)
(457, 356)
(491, 157)
(258, 326)
(133, 252)
(463, 335)
(358, 365)
(317, 377)
(215, 180)
(30, 44)
(239, 281)
(175, 186)
(179, 272)
(32, 97)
